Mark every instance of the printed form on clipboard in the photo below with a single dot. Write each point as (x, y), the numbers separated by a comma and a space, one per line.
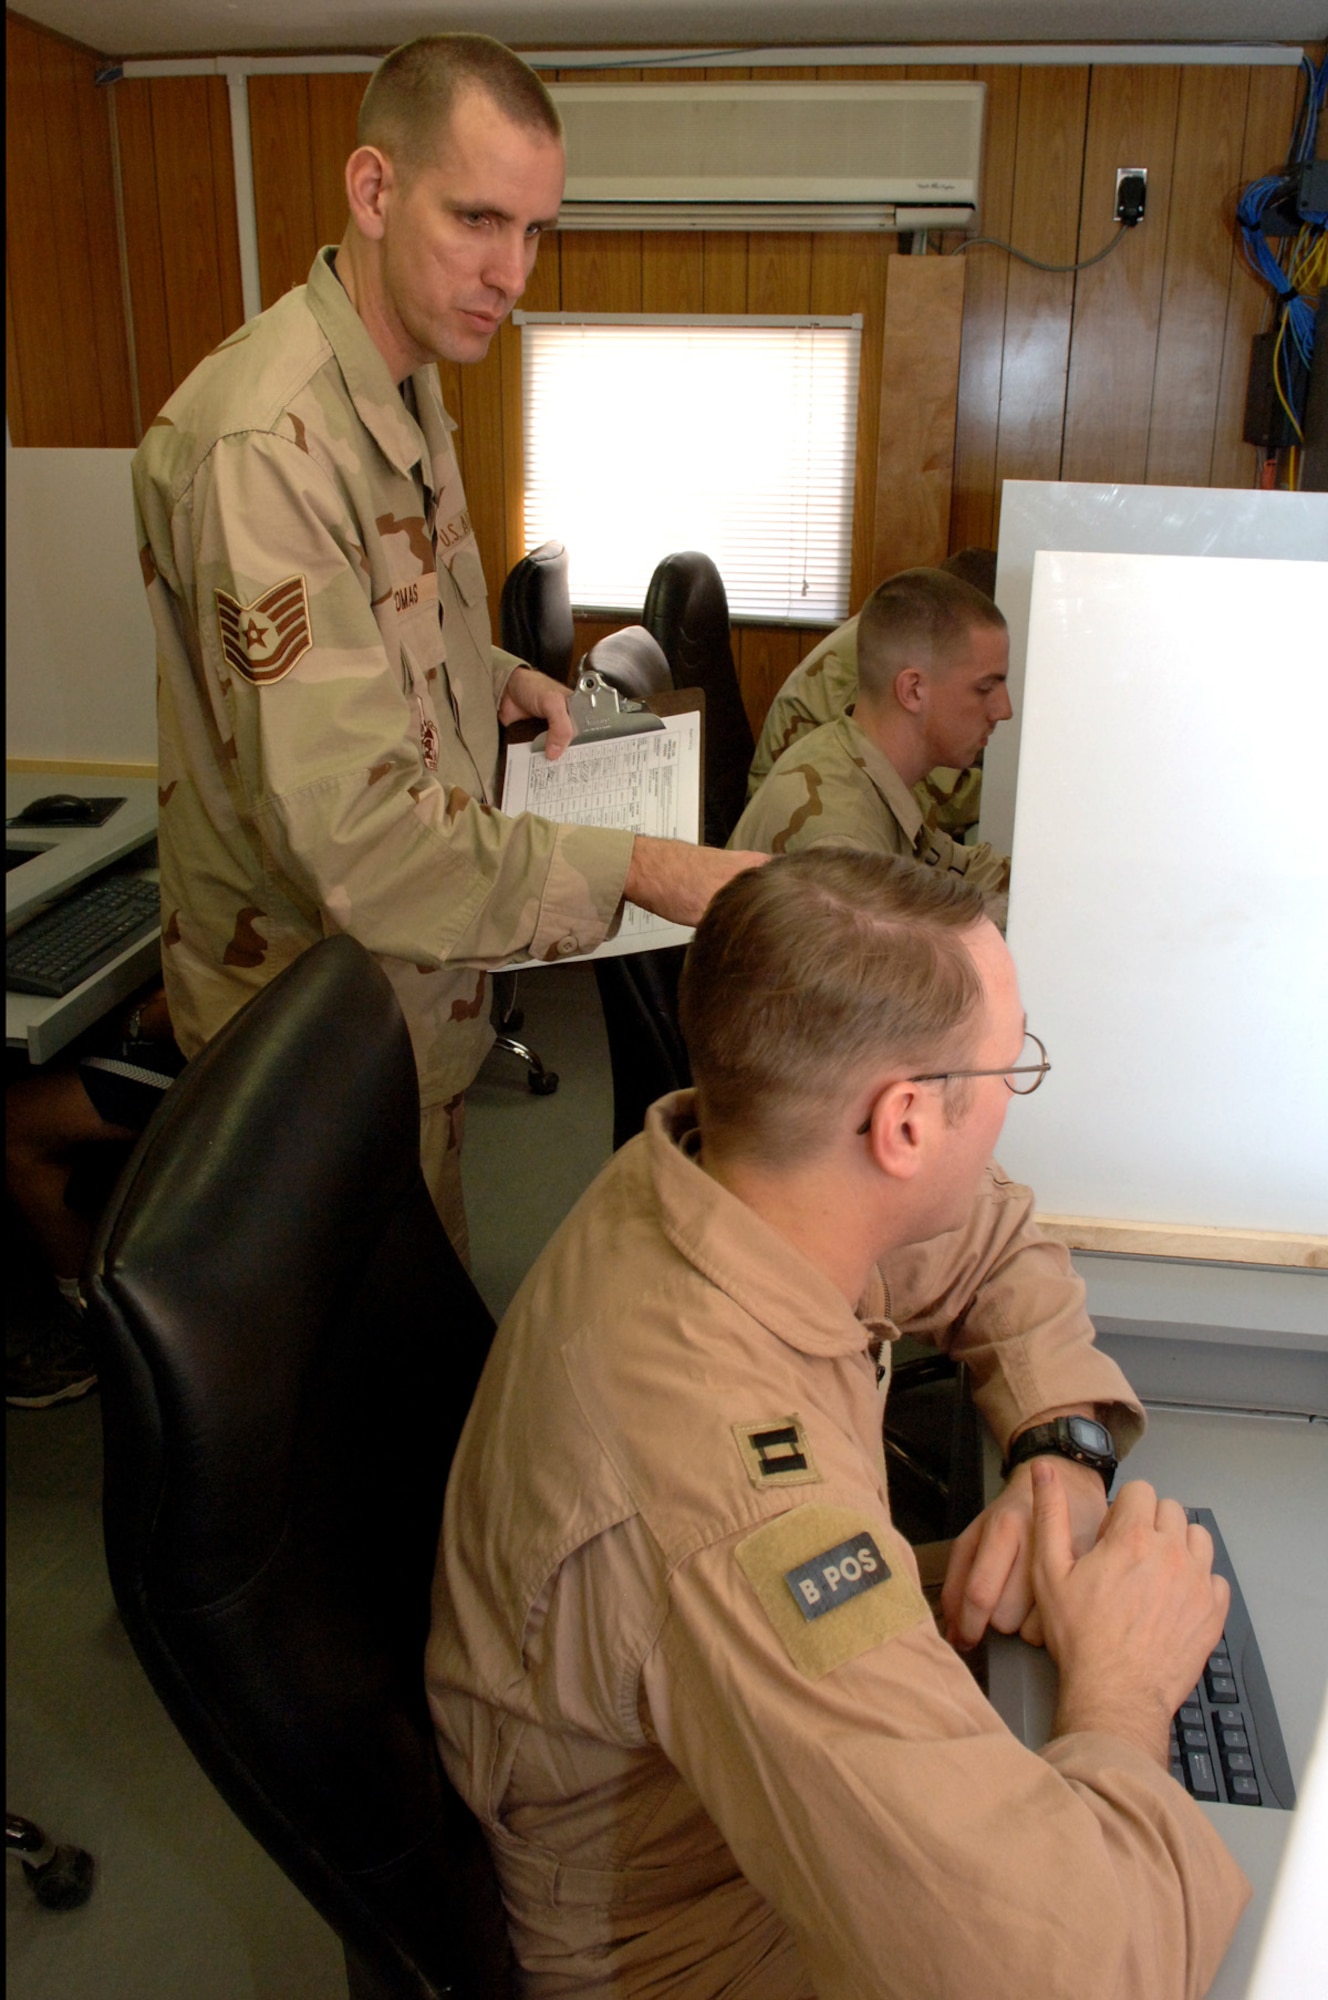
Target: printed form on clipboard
(646, 782)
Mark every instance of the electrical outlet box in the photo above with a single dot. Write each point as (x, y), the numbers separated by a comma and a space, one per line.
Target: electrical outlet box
(1131, 194)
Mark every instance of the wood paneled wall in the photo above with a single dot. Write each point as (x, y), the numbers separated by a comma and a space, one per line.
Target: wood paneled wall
(181, 241)
(1133, 370)
(67, 379)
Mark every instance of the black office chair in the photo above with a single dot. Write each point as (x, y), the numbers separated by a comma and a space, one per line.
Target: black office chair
(638, 992)
(535, 623)
(687, 611)
(287, 1349)
(535, 611)
(630, 660)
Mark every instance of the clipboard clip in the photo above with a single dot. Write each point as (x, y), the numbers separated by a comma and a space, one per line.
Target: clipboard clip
(598, 710)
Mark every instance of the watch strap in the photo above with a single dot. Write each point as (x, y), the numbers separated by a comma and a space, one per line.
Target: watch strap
(1055, 1439)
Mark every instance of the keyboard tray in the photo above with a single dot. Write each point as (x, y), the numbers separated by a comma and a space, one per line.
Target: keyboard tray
(58, 950)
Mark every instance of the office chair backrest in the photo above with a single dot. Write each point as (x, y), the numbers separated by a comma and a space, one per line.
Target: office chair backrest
(648, 1057)
(287, 1348)
(535, 611)
(631, 661)
(687, 611)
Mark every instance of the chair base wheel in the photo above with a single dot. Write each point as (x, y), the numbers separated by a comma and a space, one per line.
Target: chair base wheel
(64, 1880)
(543, 1082)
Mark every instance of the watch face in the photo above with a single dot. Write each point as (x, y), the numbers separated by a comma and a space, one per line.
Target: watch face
(1090, 1436)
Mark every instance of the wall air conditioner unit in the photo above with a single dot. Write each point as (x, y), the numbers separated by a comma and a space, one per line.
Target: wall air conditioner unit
(771, 155)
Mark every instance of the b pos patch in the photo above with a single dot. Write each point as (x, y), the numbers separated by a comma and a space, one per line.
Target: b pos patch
(826, 1587)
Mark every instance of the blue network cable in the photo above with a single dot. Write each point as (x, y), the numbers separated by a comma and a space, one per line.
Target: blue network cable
(1296, 276)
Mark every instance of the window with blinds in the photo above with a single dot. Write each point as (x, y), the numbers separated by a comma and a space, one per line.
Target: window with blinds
(649, 434)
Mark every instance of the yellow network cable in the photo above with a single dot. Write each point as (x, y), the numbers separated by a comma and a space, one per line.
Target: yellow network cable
(1278, 367)
(1308, 269)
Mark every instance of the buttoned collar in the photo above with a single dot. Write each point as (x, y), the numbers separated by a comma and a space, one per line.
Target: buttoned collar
(378, 402)
(741, 1255)
(897, 795)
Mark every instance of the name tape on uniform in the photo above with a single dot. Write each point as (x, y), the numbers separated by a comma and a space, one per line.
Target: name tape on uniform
(837, 1575)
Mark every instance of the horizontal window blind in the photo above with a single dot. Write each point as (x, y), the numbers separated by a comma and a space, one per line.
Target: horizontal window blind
(643, 437)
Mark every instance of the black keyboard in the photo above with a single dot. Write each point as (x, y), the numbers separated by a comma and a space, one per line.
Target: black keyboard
(1226, 1742)
(58, 950)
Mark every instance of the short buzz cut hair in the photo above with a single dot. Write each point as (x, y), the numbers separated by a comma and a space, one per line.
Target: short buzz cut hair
(809, 978)
(412, 93)
(919, 618)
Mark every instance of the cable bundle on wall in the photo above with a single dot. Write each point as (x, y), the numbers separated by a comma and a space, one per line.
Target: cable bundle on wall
(1283, 221)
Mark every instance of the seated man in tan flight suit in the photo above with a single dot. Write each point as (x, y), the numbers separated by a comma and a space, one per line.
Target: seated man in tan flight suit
(824, 684)
(933, 659)
(680, 1665)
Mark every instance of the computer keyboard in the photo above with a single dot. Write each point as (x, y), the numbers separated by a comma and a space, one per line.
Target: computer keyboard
(1226, 1742)
(58, 950)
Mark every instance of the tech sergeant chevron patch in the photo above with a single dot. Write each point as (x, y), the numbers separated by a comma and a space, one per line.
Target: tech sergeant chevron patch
(262, 641)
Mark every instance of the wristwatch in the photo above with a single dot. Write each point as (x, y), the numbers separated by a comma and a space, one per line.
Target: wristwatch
(1079, 1438)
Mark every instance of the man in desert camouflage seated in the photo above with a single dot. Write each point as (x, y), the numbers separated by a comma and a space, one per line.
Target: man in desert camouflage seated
(823, 684)
(933, 657)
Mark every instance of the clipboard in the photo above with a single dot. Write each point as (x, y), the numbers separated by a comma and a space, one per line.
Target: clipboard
(635, 776)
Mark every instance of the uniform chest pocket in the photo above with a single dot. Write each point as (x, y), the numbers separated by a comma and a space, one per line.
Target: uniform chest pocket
(467, 573)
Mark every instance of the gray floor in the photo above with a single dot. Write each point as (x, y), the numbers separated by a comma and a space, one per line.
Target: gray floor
(186, 1906)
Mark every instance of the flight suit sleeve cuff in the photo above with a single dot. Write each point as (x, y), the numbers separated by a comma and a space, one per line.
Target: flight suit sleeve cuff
(583, 891)
(1089, 1377)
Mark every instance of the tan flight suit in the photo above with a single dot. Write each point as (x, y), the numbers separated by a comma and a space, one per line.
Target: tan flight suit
(328, 735)
(695, 1784)
(836, 785)
(821, 687)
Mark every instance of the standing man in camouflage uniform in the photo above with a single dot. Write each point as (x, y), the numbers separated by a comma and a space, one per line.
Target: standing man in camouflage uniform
(933, 655)
(330, 696)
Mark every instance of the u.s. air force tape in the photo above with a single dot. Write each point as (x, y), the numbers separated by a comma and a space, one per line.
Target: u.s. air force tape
(826, 1587)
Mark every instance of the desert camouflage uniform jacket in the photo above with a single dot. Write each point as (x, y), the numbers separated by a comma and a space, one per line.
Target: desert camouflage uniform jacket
(822, 687)
(328, 734)
(836, 785)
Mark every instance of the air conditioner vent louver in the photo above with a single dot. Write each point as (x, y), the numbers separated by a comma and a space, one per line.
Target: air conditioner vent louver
(771, 155)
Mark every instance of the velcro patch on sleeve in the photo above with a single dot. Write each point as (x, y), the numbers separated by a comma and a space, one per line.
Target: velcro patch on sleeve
(826, 1587)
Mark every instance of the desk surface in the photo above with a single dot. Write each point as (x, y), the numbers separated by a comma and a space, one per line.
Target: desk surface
(67, 855)
(64, 856)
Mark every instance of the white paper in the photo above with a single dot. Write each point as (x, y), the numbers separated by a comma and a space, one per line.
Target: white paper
(646, 783)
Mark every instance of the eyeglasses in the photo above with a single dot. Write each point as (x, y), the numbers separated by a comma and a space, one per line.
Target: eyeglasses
(1034, 1070)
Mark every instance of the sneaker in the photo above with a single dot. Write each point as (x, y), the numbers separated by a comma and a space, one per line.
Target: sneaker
(49, 1363)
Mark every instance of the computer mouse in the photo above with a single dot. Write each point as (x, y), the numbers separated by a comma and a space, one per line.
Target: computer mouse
(63, 809)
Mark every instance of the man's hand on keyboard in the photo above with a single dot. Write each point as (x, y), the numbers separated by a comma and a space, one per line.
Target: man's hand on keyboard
(989, 1580)
(1131, 1624)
